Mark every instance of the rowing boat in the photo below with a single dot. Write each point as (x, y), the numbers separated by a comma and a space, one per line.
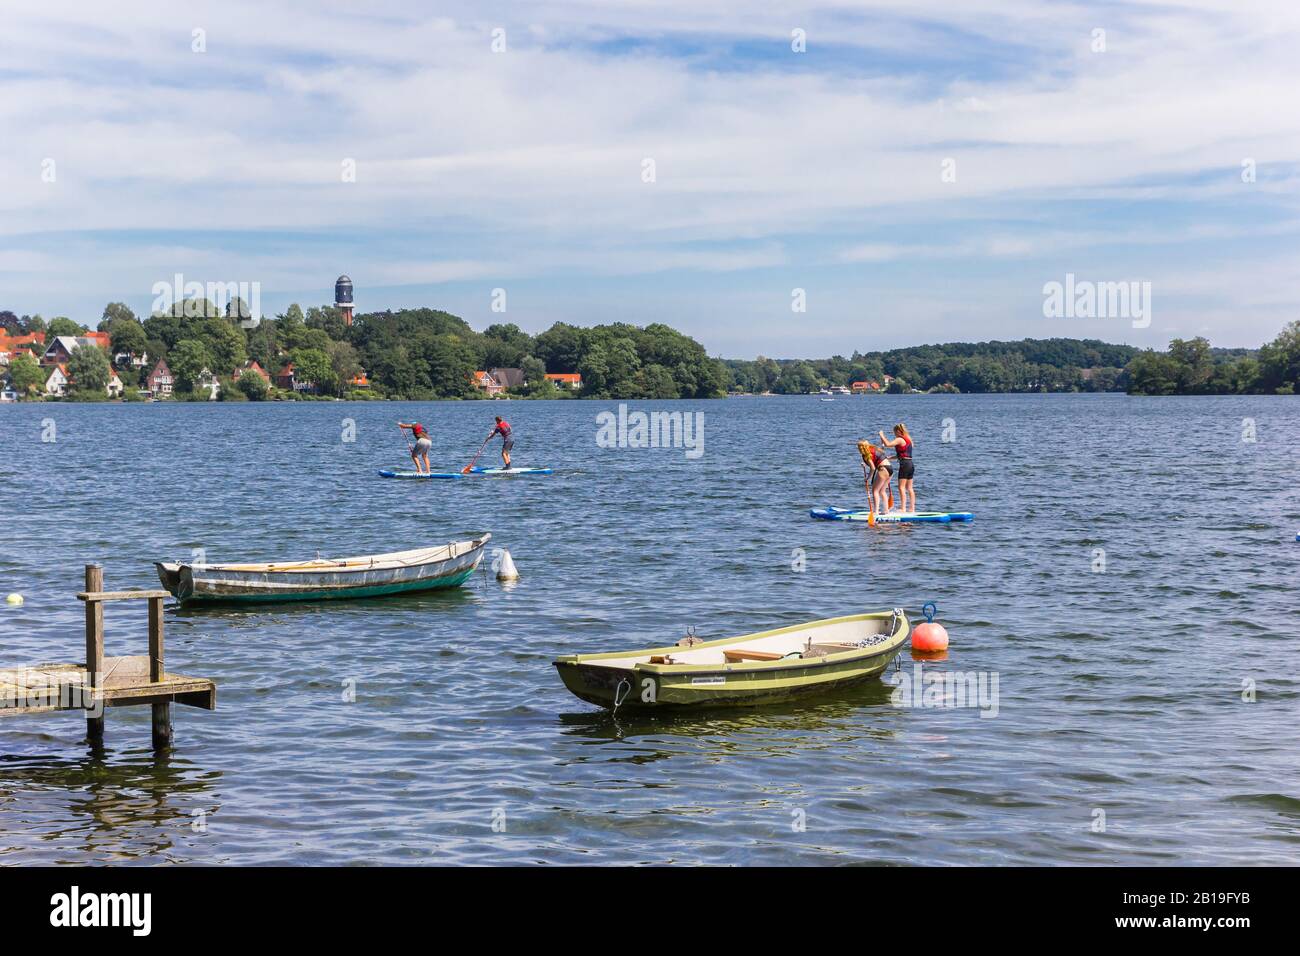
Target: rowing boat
(761, 668)
(891, 517)
(372, 575)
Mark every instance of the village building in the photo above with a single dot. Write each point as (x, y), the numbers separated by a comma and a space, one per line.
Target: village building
(287, 379)
(509, 377)
(131, 360)
(565, 379)
(61, 347)
(7, 391)
(160, 381)
(486, 382)
(253, 367)
(497, 380)
(56, 383)
(208, 381)
(12, 345)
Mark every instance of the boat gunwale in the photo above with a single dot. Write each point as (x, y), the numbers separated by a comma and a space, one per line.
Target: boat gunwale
(848, 654)
(344, 565)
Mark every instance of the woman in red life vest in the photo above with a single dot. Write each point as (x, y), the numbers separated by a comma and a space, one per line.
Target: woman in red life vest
(877, 471)
(902, 445)
(422, 445)
(507, 442)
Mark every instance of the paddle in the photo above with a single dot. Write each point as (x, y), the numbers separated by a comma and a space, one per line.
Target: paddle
(409, 447)
(869, 479)
(470, 467)
(871, 499)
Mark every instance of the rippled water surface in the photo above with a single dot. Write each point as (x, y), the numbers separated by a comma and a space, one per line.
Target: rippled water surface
(1123, 691)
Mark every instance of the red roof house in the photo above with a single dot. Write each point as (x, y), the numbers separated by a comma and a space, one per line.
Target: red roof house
(571, 379)
(160, 380)
(251, 366)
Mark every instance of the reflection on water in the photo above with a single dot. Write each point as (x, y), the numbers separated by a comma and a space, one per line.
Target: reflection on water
(114, 806)
(734, 729)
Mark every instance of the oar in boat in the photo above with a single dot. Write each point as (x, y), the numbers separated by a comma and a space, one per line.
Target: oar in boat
(470, 467)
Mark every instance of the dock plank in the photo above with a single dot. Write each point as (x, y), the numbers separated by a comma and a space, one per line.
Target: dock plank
(49, 687)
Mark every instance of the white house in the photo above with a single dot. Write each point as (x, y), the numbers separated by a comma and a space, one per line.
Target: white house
(7, 391)
(114, 388)
(57, 383)
(123, 359)
(209, 381)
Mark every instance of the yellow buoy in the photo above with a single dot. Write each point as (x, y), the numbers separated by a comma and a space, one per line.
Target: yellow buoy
(14, 599)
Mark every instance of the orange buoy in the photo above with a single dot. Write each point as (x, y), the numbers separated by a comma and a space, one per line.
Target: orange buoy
(929, 637)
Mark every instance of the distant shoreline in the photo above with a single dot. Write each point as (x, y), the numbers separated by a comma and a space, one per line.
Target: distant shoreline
(593, 399)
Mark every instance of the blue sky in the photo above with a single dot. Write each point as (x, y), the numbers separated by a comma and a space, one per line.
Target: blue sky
(774, 169)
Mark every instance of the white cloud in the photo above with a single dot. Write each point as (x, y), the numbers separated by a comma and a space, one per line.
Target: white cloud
(519, 164)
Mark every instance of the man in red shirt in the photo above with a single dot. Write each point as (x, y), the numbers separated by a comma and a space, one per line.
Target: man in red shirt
(422, 445)
(507, 442)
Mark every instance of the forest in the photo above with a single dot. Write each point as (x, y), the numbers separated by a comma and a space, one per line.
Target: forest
(430, 354)
(407, 354)
(1030, 365)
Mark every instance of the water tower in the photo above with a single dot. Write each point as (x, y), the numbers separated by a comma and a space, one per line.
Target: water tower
(343, 298)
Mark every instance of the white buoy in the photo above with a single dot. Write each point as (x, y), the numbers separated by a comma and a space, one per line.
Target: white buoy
(14, 599)
(507, 570)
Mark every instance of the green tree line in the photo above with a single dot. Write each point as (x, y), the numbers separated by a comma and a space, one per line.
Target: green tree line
(1030, 365)
(407, 354)
(1192, 367)
(428, 353)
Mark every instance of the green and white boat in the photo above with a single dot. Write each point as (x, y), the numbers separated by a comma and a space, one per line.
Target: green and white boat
(372, 575)
(770, 666)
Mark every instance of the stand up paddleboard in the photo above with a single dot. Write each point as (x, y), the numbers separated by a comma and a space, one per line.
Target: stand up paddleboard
(484, 472)
(891, 517)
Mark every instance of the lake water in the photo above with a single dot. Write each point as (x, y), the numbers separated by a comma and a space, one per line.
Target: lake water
(1124, 691)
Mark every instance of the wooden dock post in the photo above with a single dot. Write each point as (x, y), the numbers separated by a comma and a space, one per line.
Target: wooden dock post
(162, 710)
(94, 651)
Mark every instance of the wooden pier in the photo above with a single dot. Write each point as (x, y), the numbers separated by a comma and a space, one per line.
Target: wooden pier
(103, 682)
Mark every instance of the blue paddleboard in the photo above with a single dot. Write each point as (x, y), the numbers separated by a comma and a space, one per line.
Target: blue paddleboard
(892, 517)
(510, 471)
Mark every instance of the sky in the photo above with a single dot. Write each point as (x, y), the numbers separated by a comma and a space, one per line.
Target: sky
(919, 169)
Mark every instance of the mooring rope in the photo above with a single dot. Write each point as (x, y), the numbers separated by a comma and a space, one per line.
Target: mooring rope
(617, 699)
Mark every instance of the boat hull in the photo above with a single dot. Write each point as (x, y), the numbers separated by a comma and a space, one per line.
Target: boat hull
(744, 684)
(197, 584)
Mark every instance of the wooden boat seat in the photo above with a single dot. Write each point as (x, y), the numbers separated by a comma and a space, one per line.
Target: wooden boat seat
(734, 657)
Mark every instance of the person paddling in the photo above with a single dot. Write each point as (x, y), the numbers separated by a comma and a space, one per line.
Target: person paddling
(877, 472)
(507, 442)
(902, 445)
(422, 445)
